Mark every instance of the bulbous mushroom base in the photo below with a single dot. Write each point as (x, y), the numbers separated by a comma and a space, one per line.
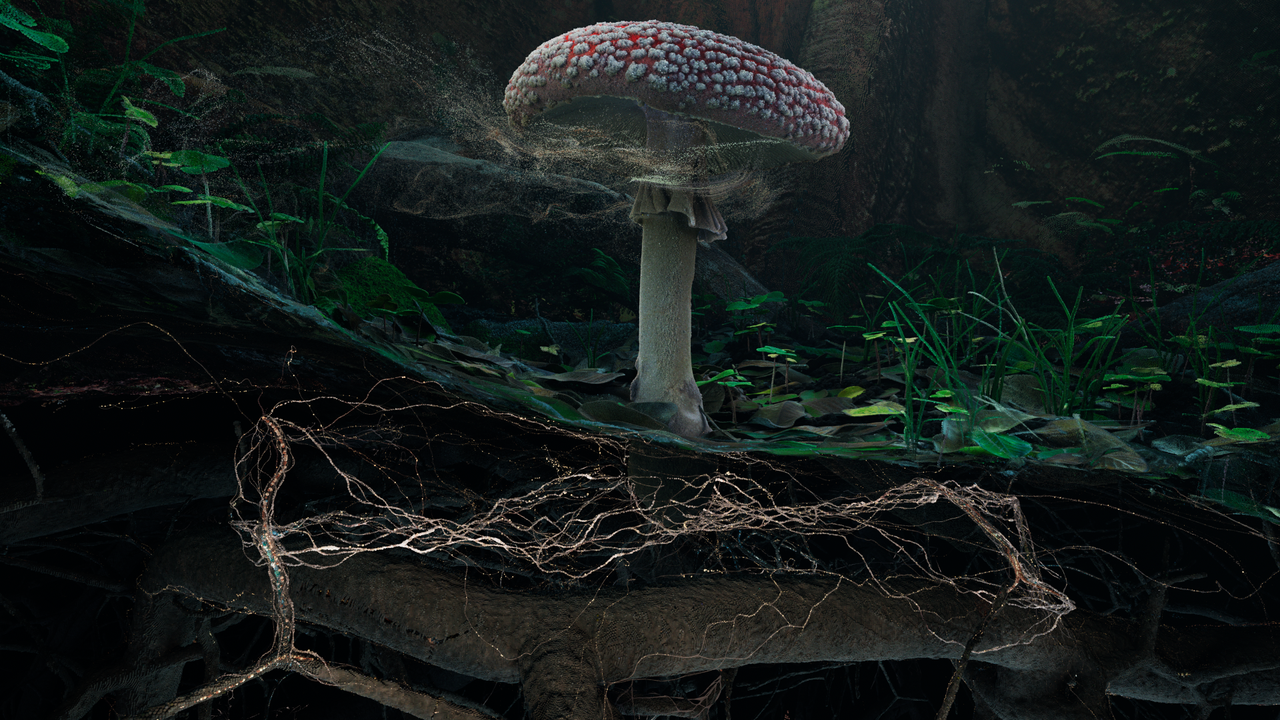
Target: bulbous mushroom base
(679, 418)
(664, 367)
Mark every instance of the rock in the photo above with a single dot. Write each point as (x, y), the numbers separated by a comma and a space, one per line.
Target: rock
(1249, 299)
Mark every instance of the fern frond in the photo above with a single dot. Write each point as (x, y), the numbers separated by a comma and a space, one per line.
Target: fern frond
(1194, 154)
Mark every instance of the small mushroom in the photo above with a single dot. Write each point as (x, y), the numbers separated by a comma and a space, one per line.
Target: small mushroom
(708, 106)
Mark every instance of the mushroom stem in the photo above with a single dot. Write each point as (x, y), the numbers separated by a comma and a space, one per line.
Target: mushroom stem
(664, 367)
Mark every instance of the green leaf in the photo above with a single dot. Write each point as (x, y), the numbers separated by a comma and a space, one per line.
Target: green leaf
(1242, 504)
(22, 58)
(268, 226)
(717, 377)
(16, 19)
(214, 200)
(1213, 384)
(1002, 445)
(444, 297)
(1259, 329)
(225, 203)
(99, 125)
(943, 304)
(137, 113)
(1236, 406)
(883, 407)
(1095, 226)
(771, 350)
(69, 186)
(757, 301)
(1087, 200)
(1109, 377)
(1239, 434)
(168, 77)
(194, 162)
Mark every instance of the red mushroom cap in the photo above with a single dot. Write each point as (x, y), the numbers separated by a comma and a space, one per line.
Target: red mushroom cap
(687, 71)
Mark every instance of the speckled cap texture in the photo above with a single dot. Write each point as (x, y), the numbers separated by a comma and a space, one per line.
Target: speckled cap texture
(684, 70)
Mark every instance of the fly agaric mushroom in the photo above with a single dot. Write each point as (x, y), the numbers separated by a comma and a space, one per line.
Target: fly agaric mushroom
(696, 99)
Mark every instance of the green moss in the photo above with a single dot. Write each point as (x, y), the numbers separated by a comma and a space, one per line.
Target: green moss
(373, 284)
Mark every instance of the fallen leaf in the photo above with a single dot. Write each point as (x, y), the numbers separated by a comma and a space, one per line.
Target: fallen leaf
(588, 376)
(884, 407)
(827, 405)
(1103, 449)
(952, 437)
(779, 415)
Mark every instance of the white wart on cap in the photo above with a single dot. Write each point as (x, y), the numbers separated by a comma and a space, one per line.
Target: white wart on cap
(778, 112)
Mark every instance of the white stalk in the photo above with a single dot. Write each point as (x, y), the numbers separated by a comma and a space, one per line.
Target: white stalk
(664, 368)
